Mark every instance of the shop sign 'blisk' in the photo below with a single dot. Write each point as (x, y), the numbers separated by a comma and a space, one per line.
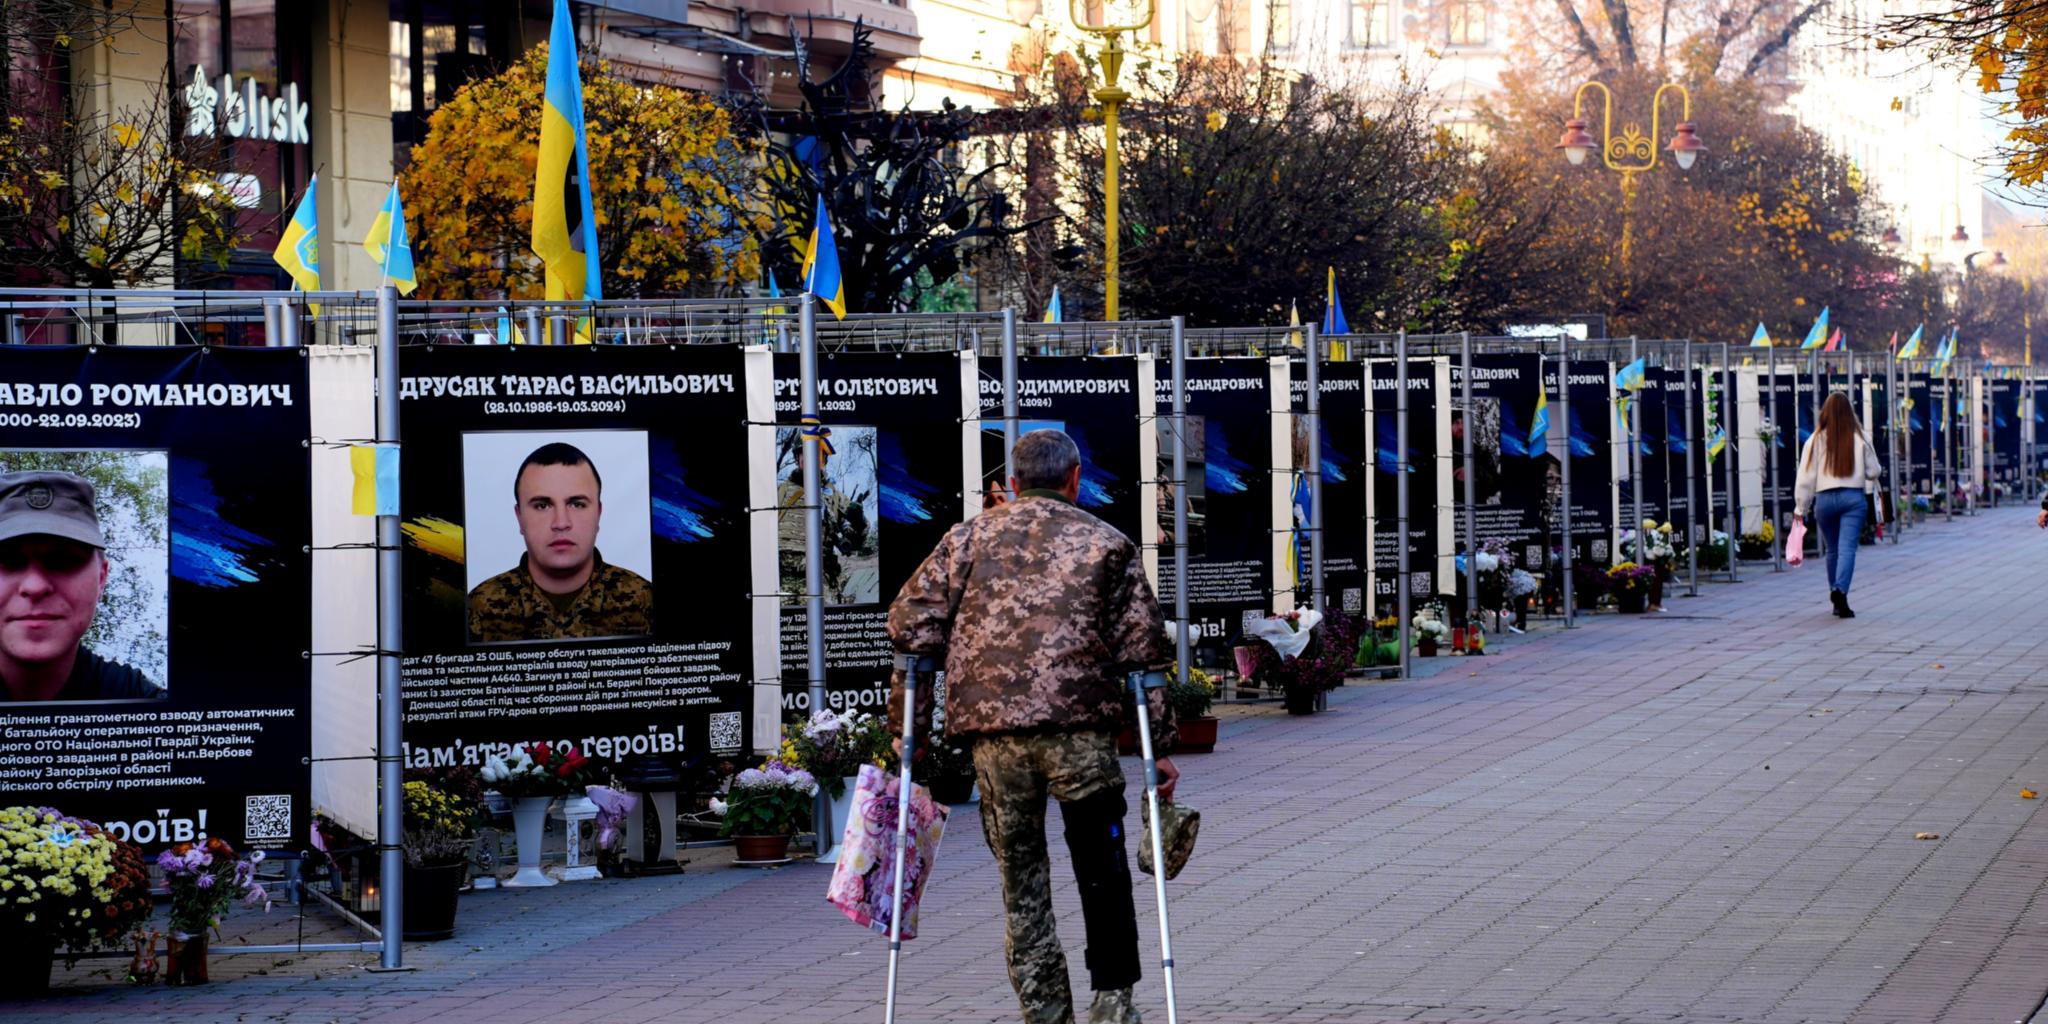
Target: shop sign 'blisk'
(244, 113)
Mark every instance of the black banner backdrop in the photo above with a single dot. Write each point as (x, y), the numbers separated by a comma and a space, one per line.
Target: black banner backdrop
(1780, 400)
(1594, 447)
(199, 463)
(2005, 458)
(1347, 537)
(1095, 399)
(1230, 493)
(1508, 474)
(894, 487)
(1919, 425)
(1652, 447)
(1717, 414)
(1677, 443)
(1425, 444)
(663, 665)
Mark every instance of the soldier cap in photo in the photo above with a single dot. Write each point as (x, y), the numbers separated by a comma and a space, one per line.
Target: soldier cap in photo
(59, 506)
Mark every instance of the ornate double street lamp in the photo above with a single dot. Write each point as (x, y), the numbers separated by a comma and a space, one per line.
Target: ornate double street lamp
(1118, 17)
(1631, 152)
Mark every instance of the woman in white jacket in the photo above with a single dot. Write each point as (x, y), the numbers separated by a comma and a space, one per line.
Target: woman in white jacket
(1836, 468)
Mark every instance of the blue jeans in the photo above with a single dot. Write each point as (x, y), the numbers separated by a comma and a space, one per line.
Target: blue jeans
(1839, 514)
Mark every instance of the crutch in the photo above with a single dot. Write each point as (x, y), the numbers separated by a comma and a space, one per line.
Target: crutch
(1140, 682)
(912, 665)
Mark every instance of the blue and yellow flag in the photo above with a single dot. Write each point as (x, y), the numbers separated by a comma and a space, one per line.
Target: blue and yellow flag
(298, 252)
(821, 263)
(1630, 377)
(1053, 313)
(1716, 444)
(1539, 425)
(390, 246)
(564, 219)
(1760, 339)
(1912, 349)
(1333, 310)
(1818, 334)
(1946, 353)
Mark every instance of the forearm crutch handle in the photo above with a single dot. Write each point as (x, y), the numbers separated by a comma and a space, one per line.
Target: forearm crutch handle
(1139, 683)
(912, 666)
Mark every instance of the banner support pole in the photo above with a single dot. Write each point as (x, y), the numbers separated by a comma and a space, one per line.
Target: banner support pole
(1181, 653)
(1771, 466)
(1564, 461)
(390, 641)
(1891, 442)
(1634, 425)
(1401, 495)
(1010, 431)
(1692, 507)
(1315, 467)
(814, 539)
(1471, 482)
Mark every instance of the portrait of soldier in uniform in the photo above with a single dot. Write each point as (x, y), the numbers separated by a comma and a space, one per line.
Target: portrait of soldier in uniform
(53, 570)
(562, 587)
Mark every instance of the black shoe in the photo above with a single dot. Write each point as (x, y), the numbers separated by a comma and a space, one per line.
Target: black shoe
(1842, 609)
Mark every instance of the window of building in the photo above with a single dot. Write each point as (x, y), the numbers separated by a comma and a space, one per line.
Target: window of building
(1280, 25)
(1465, 22)
(437, 47)
(1371, 24)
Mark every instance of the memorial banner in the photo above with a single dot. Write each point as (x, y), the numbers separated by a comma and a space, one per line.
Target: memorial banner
(1595, 448)
(1651, 449)
(1237, 504)
(1509, 468)
(2005, 460)
(1716, 430)
(1787, 425)
(902, 449)
(579, 558)
(1097, 401)
(1347, 536)
(1918, 438)
(155, 668)
(1431, 508)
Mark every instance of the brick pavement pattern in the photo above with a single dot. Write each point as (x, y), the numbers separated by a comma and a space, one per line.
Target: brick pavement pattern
(1703, 816)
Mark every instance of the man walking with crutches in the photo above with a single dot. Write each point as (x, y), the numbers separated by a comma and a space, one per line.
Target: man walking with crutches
(1041, 611)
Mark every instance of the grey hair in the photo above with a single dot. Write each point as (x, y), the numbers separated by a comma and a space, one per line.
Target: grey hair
(1044, 458)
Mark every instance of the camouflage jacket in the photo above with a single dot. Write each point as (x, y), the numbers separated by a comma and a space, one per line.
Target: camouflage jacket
(510, 606)
(1042, 609)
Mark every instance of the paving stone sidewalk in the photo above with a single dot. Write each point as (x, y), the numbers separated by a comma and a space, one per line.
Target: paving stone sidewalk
(1702, 816)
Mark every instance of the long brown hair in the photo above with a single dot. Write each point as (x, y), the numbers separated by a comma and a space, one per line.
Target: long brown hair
(1841, 433)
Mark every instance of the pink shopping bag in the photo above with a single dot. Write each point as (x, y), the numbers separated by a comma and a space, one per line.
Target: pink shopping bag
(867, 860)
(1795, 543)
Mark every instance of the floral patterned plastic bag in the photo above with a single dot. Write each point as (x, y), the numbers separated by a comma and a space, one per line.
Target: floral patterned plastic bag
(867, 861)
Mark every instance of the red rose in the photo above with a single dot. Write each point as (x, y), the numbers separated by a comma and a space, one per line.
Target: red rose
(541, 753)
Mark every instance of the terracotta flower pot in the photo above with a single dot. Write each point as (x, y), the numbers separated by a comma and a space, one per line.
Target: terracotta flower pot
(1197, 735)
(760, 848)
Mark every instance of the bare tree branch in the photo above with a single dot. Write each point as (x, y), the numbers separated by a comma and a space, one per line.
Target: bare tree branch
(1783, 38)
(1624, 37)
(1586, 43)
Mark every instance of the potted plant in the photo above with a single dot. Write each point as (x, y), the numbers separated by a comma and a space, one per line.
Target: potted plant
(1191, 701)
(1755, 546)
(1589, 585)
(532, 776)
(1658, 553)
(832, 746)
(763, 807)
(1630, 585)
(1714, 553)
(205, 879)
(65, 886)
(1430, 628)
(1521, 587)
(1319, 651)
(439, 829)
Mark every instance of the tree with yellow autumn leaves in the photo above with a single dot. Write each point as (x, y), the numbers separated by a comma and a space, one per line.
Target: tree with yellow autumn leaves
(668, 179)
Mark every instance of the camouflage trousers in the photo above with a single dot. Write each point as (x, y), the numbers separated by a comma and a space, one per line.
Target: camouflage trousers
(1016, 774)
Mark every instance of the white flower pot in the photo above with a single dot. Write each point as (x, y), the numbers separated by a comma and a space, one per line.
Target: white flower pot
(842, 809)
(529, 823)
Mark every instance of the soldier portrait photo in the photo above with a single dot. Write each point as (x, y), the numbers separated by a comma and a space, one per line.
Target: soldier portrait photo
(55, 568)
(849, 493)
(570, 492)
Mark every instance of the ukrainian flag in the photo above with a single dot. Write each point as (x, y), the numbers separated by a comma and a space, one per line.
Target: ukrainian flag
(821, 264)
(298, 252)
(564, 219)
(390, 246)
(1945, 353)
(1333, 310)
(1760, 339)
(1912, 349)
(1053, 313)
(1539, 424)
(1818, 335)
(1716, 444)
(1630, 377)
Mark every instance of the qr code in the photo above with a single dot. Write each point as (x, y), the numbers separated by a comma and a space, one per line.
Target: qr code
(1599, 550)
(1532, 556)
(725, 732)
(267, 817)
(1354, 600)
(1249, 620)
(1421, 584)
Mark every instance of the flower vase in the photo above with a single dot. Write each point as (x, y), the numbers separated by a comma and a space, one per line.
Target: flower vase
(25, 970)
(1522, 613)
(187, 962)
(1299, 700)
(1630, 600)
(1657, 592)
(760, 849)
(842, 809)
(1426, 647)
(529, 824)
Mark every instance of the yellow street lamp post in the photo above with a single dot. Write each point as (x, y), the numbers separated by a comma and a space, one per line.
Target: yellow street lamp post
(1119, 16)
(1631, 152)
